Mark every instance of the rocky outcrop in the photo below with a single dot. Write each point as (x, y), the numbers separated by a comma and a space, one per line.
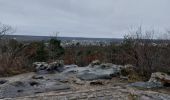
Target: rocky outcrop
(40, 66)
(29, 84)
(72, 77)
(161, 78)
(56, 66)
(43, 67)
(157, 80)
(94, 71)
(102, 71)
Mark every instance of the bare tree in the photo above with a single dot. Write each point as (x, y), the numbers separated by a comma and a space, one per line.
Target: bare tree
(10, 50)
(142, 49)
(5, 29)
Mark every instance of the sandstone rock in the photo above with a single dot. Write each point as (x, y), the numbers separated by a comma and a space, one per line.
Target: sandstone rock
(30, 87)
(160, 77)
(95, 62)
(98, 72)
(157, 80)
(103, 71)
(56, 66)
(44, 68)
(40, 66)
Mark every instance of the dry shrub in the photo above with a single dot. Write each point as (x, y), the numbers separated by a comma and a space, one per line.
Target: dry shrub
(9, 66)
(131, 73)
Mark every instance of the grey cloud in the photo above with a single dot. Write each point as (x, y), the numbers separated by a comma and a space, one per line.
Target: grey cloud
(90, 18)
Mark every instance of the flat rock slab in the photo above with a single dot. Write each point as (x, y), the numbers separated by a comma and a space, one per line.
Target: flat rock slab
(94, 73)
(147, 85)
(32, 84)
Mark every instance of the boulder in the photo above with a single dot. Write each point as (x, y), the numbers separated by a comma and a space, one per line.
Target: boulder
(56, 66)
(160, 77)
(95, 62)
(40, 66)
(157, 80)
(44, 68)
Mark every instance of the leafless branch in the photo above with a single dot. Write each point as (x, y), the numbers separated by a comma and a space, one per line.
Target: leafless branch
(5, 29)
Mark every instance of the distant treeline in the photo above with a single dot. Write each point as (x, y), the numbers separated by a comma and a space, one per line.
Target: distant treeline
(139, 49)
(28, 38)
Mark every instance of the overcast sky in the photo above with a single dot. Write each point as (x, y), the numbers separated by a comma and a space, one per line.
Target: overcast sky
(84, 18)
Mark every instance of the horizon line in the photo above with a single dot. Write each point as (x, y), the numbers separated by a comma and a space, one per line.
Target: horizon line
(63, 36)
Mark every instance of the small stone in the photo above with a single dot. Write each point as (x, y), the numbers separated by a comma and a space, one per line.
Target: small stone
(3, 81)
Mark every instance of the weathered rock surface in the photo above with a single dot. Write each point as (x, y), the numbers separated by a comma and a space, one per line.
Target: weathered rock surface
(96, 72)
(44, 68)
(40, 65)
(147, 85)
(30, 84)
(56, 66)
(71, 78)
(160, 77)
(157, 80)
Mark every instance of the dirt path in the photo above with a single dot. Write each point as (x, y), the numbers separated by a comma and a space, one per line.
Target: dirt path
(112, 93)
